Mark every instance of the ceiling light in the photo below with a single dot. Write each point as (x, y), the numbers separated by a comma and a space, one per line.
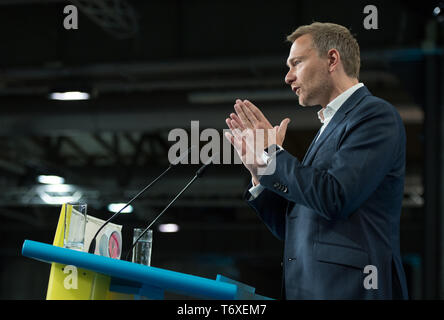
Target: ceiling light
(58, 193)
(50, 179)
(115, 207)
(168, 227)
(69, 95)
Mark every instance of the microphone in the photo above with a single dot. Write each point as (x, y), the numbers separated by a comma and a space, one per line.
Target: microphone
(92, 245)
(198, 174)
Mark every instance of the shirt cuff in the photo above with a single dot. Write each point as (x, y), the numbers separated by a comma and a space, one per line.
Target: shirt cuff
(266, 156)
(255, 191)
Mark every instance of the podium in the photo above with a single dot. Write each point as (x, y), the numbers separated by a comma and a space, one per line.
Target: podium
(139, 280)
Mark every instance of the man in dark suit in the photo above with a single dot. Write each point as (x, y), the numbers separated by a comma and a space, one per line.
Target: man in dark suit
(338, 210)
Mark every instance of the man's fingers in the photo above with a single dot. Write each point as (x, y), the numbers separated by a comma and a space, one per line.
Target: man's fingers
(255, 110)
(249, 114)
(282, 129)
(234, 132)
(257, 113)
(228, 122)
(244, 143)
(234, 141)
(229, 137)
(241, 114)
(237, 133)
(232, 125)
(238, 121)
(284, 125)
(235, 137)
(236, 125)
(234, 117)
(239, 142)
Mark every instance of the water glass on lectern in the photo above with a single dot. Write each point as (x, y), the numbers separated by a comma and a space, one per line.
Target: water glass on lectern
(142, 250)
(75, 225)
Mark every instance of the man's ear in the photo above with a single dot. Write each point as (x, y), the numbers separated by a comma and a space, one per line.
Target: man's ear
(334, 59)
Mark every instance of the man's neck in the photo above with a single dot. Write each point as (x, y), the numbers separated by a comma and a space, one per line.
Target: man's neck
(340, 87)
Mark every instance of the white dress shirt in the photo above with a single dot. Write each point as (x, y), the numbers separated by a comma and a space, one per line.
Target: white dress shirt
(327, 113)
(324, 115)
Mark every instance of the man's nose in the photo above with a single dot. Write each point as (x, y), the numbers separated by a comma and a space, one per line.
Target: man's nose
(289, 78)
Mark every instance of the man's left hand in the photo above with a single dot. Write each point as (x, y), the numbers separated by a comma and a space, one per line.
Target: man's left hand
(248, 116)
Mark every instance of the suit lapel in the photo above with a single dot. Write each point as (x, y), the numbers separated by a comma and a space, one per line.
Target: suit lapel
(337, 119)
(311, 146)
(339, 116)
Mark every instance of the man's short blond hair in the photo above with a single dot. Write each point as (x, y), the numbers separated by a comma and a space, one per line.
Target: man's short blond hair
(326, 36)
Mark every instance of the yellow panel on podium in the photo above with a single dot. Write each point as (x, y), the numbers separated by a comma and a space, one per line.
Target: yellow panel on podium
(72, 283)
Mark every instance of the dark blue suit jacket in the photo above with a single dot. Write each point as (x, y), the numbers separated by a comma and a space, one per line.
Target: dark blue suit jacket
(339, 209)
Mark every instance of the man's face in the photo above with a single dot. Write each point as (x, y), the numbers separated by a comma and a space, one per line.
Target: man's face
(308, 73)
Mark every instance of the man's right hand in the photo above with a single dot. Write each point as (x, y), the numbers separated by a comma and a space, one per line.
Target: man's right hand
(243, 142)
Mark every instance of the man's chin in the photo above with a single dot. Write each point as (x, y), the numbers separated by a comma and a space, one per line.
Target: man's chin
(304, 103)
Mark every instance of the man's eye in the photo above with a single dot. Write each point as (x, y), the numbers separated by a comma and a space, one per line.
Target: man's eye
(296, 62)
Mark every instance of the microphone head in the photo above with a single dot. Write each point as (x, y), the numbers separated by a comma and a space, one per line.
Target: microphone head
(202, 169)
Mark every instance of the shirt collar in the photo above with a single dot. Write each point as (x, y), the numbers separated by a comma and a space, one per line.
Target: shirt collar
(329, 111)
